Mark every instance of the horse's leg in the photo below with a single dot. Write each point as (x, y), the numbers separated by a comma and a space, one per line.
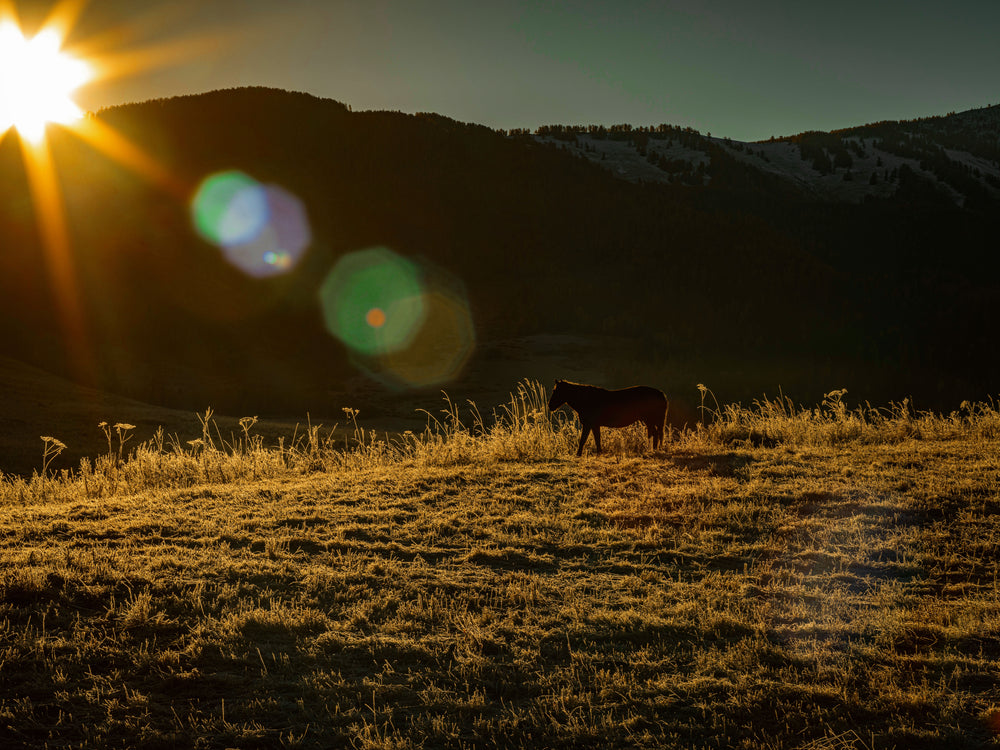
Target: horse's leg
(597, 437)
(656, 427)
(583, 439)
(655, 430)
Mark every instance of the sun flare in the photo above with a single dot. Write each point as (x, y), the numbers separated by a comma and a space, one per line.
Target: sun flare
(36, 81)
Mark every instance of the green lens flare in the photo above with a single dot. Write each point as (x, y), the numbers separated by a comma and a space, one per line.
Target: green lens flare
(262, 230)
(372, 300)
(229, 208)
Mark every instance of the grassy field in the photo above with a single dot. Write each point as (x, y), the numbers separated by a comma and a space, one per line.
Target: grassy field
(783, 577)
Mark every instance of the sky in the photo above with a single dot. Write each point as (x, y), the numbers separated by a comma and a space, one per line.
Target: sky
(738, 69)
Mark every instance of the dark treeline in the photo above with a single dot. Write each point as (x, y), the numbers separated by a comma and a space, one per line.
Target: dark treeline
(543, 241)
(623, 132)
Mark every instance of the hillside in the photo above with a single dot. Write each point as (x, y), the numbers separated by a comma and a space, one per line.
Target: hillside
(746, 273)
(784, 579)
(955, 158)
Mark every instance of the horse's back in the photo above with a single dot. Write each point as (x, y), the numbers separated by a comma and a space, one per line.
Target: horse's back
(641, 392)
(638, 395)
(627, 405)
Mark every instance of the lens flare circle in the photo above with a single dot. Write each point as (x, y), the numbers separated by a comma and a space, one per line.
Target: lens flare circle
(406, 323)
(441, 348)
(37, 80)
(263, 230)
(230, 208)
(372, 300)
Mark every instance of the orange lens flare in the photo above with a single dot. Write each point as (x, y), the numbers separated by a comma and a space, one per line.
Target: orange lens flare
(37, 78)
(51, 218)
(36, 81)
(375, 317)
(110, 142)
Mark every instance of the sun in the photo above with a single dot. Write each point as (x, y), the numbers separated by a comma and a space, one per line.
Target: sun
(36, 81)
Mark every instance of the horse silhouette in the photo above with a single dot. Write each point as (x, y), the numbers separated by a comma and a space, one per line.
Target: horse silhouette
(599, 407)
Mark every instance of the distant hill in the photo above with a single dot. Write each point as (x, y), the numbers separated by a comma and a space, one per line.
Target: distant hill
(707, 249)
(956, 156)
(906, 213)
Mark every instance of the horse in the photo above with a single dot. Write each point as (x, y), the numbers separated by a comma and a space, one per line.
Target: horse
(598, 407)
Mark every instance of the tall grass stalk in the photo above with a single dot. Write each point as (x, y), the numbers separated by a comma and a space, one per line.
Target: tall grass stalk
(522, 429)
(774, 421)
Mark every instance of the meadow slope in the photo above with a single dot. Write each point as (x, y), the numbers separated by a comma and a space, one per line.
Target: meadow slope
(783, 578)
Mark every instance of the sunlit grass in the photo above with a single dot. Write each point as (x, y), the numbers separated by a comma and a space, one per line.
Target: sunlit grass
(777, 577)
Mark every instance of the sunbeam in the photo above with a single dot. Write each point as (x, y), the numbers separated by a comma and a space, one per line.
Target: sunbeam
(51, 219)
(37, 79)
(110, 142)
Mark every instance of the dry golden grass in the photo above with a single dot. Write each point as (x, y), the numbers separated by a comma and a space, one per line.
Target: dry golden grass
(780, 578)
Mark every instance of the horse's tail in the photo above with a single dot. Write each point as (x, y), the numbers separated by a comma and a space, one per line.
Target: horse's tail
(661, 422)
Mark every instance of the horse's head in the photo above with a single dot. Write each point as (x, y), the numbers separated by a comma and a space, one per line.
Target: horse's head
(558, 395)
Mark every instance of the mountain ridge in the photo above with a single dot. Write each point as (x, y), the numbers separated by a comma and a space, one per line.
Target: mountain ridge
(850, 164)
(543, 240)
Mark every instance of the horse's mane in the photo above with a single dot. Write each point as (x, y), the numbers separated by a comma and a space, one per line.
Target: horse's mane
(581, 386)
